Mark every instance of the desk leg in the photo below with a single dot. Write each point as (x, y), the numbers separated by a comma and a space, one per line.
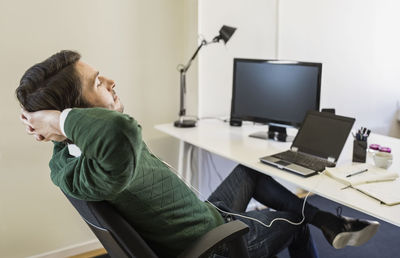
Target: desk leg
(185, 159)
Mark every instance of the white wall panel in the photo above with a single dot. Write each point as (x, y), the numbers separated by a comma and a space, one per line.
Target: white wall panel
(255, 38)
(358, 45)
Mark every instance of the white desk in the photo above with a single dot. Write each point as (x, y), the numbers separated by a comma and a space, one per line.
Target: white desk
(234, 143)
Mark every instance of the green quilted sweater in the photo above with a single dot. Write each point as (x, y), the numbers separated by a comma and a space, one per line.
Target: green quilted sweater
(116, 166)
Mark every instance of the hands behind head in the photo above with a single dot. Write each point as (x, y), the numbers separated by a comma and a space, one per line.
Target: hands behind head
(44, 125)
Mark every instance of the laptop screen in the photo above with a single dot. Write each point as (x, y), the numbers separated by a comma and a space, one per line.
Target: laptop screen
(323, 134)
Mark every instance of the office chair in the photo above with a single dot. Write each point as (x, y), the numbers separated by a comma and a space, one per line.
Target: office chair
(121, 240)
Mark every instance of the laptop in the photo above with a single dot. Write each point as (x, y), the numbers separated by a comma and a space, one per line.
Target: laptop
(317, 145)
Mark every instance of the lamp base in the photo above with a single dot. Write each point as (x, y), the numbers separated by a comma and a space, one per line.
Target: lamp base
(185, 123)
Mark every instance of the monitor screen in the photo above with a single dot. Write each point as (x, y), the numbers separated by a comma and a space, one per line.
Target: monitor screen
(275, 91)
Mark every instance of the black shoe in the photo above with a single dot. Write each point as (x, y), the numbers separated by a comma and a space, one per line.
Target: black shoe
(349, 231)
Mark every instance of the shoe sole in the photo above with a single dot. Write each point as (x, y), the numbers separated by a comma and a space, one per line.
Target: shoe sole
(356, 238)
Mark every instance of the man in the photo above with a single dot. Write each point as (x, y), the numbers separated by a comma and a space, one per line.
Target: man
(99, 155)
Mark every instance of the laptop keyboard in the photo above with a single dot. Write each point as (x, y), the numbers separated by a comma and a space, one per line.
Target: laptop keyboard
(304, 160)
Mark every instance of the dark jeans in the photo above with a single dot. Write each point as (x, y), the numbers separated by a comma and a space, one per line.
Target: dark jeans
(234, 194)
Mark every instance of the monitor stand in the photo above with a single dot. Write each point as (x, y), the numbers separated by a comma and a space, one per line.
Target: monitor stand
(276, 133)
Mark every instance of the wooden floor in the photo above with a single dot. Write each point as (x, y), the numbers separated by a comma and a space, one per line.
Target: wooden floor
(90, 254)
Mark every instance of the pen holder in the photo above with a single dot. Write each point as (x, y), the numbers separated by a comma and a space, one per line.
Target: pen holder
(359, 151)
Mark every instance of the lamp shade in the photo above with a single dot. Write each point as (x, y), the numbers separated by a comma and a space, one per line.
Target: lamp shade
(226, 32)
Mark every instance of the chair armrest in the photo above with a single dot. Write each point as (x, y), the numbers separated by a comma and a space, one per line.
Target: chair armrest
(224, 233)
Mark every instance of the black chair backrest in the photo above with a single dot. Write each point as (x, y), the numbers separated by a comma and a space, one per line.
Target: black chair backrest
(104, 220)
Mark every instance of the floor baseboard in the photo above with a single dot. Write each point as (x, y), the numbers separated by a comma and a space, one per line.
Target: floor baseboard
(71, 250)
(98, 253)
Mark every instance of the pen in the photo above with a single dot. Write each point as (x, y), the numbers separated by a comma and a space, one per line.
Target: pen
(358, 172)
(364, 130)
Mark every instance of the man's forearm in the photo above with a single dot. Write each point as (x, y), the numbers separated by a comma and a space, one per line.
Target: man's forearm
(106, 136)
(44, 124)
(111, 145)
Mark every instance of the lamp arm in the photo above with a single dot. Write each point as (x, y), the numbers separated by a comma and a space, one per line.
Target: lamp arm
(183, 70)
(224, 34)
(182, 105)
(203, 43)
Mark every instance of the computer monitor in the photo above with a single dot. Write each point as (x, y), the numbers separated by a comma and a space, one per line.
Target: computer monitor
(275, 92)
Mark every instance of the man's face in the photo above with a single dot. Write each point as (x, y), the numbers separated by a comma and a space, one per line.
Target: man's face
(98, 90)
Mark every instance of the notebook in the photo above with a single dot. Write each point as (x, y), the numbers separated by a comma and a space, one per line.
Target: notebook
(317, 145)
(369, 174)
(387, 193)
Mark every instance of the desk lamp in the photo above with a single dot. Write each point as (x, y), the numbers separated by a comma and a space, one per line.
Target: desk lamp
(225, 33)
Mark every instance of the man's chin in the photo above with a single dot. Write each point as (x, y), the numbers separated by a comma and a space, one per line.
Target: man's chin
(120, 108)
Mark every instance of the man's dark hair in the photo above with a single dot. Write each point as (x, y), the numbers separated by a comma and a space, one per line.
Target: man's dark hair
(52, 84)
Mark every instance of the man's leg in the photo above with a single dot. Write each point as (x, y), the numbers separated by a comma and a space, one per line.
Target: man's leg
(265, 241)
(236, 190)
(272, 194)
(339, 231)
(244, 183)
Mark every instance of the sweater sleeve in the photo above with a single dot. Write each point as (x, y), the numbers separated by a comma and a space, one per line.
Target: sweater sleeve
(111, 144)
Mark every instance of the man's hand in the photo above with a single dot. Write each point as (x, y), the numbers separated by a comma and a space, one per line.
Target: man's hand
(43, 125)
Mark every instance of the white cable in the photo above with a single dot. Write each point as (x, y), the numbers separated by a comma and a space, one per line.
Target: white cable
(276, 219)
(243, 216)
(272, 221)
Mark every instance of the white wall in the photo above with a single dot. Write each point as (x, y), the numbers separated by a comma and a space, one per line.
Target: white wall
(186, 42)
(358, 44)
(190, 23)
(137, 43)
(355, 40)
(255, 37)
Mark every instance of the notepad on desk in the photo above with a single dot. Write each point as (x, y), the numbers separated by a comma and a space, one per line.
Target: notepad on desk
(378, 183)
(360, 174)
(387, 193)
